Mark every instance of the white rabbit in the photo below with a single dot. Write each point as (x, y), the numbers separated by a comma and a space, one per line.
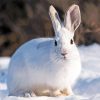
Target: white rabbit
(47, 66)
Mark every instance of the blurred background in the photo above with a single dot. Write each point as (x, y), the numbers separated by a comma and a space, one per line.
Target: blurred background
(22, 20)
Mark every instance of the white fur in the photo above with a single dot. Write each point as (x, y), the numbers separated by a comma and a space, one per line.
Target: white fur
(38, 64)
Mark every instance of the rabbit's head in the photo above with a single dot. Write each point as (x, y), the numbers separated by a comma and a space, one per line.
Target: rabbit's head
(64, 32)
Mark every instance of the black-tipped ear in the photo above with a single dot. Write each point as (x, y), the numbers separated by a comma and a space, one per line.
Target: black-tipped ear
(72, 18)
(55, 18)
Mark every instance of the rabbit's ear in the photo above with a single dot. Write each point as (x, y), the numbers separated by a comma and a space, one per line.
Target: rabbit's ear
(72, 18)
(55, 18)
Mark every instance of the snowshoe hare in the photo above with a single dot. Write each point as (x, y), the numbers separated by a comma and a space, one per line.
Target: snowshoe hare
(47, 66)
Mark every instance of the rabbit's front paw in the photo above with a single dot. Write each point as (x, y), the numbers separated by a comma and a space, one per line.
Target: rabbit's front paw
(64, 92)
(67, 91)
(55, 93)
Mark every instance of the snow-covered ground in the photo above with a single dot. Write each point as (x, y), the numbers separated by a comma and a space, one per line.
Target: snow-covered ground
(86, 88)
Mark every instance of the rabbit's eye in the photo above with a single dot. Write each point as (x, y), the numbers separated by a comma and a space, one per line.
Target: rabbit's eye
(71, 41)
(55, 43)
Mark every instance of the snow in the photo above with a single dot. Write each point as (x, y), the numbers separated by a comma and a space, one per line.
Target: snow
(86, 88)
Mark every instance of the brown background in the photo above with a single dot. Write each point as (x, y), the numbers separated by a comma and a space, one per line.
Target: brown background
(22, 20)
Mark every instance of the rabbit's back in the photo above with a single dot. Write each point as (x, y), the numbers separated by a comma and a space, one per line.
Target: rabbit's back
(32, 49)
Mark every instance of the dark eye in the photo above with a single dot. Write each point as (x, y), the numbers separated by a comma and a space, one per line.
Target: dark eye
(55, 43)
(71, 41)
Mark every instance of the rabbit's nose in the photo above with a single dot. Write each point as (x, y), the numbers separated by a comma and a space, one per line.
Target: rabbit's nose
(63, 54)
